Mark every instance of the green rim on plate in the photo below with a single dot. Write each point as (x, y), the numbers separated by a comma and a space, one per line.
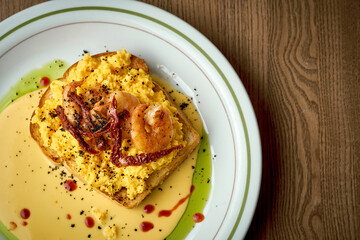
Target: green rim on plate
(185, 37)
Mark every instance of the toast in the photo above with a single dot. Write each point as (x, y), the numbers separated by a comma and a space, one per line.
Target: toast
(191, 136)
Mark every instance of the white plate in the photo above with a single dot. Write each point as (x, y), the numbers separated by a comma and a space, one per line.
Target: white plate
(173, 50)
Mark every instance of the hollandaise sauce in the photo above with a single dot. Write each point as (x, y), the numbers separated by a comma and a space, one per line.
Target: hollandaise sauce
(41, 201)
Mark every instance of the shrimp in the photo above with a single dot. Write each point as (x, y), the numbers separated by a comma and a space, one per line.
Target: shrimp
(117, 158)
(76, 107)
(125, 102)
(151, 127)
(138, 63)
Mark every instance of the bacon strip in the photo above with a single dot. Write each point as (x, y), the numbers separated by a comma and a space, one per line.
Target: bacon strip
(84, 110)
(143, 157)
(76, 134)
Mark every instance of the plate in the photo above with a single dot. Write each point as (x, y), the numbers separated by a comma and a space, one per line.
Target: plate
(174, 51)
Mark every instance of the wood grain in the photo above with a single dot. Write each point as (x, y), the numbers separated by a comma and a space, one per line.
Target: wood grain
(299, 62)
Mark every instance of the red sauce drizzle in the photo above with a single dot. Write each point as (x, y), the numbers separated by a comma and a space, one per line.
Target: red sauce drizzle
(44, 81)
(149, 208)
(13, 226)
(167, 213)
(25, 213)
(68, 216)
(24, 223)
(146, 226)
(198, 217)
(70, 185)
(89, 222)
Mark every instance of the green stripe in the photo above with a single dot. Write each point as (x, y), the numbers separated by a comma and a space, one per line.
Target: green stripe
(192, 43)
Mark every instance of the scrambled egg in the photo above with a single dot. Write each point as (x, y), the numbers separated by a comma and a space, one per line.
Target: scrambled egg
(110, 232)
(114, 73)
(100, 215)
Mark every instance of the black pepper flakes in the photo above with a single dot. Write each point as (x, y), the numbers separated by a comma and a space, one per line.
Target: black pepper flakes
(183, 106)
(53, 114)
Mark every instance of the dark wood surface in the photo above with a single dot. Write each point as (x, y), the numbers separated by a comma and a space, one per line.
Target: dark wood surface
(300, 63)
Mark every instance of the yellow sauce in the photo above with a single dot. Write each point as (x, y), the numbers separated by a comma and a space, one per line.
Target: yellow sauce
(28, 180)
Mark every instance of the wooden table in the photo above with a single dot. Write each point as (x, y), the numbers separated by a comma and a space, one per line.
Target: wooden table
(300, 63)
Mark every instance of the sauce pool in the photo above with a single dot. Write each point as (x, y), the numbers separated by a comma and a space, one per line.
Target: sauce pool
(70, 185)
(25, 213)
(76, 205)
(13, 226)
(149, 208)
(198, 217)
(89, 222)
(44, 81)
(146, 226)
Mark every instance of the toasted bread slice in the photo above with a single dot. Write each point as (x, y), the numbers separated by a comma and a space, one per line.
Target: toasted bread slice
(191, 136)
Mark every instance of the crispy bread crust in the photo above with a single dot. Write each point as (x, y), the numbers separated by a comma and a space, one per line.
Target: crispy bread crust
(191, 136)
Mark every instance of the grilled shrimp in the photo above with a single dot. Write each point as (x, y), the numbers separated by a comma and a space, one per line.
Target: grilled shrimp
(151, 127)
